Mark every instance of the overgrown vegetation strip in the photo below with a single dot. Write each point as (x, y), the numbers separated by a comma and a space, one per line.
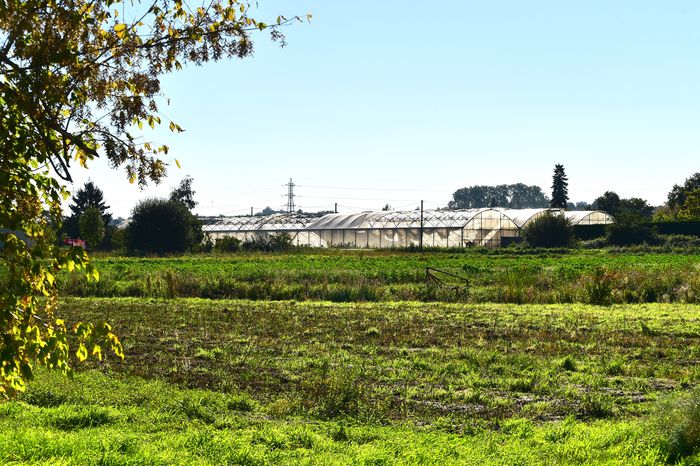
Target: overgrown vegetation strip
(347, 276)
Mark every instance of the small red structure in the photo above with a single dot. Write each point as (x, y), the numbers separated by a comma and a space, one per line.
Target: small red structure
(75, 242)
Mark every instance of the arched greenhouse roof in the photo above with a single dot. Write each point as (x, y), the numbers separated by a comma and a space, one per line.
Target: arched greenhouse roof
(588, 217)
(396, 219)
(276, 222)
(522, 216)
(392, 220)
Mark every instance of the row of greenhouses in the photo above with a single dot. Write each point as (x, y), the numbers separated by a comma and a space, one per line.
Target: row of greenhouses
(488, 227)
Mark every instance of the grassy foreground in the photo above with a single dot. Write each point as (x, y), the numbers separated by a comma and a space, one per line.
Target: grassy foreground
(287, 382)
(95, 419)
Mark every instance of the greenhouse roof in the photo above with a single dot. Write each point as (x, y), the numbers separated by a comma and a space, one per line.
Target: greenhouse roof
(386, 220)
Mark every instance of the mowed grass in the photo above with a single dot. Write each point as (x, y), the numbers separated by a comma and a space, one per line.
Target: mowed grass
(454, 366)
(95, 419)
(596, 277)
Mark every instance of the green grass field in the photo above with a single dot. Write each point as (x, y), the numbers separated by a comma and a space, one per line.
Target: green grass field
(95, 419)
(596, 277)
(377, 381)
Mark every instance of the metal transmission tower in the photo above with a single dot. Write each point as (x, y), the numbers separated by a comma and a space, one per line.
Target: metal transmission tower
(290, 196)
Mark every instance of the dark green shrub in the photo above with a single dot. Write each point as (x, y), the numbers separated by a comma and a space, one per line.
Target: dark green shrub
(275, 242)
(281, 242)
(680, 241)
(549, 231)
(627, 234)
(161, 226)
(227, 244)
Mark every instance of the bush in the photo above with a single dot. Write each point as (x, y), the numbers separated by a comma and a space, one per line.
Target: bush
(627, 234)
(680, 241)
(92, 226)
(549, 231)
(272, 243)
(227, 244)
(161, 226)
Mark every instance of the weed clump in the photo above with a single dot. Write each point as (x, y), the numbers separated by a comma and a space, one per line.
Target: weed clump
(70, 417)
(599, 286)
(568, 364)
(333, 393)
(676, 425)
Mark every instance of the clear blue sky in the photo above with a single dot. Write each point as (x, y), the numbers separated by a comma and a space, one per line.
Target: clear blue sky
(397, 101)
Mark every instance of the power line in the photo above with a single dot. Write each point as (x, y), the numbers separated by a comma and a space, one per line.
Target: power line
(373, 189)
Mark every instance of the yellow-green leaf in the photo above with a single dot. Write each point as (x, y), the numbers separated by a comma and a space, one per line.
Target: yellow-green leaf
(177, 162)
(82, 353)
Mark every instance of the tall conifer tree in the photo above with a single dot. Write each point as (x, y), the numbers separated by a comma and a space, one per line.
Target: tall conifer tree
(560, 188)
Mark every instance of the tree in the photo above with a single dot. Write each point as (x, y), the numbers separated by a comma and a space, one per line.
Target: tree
(92, 227)
(522, 196)
(549, 230)
(269, 211)
(87, 196)
(76, 80)
(184, 193)
(160, 226)
(677, 196)
(690, 211)
(514, 196)
(632, 210)
(635, 210)
(609, 202)
(386, 208)
(560, 188)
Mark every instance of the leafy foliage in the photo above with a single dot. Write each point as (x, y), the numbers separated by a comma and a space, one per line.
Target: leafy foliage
(560, 188)
(269, 243)
(515, 196)
(227, 244)
(677, 196)
(87, 196)
(30, 261)
(92, 228)
(549, 231)
(269, 211)
(76, 80)
(184, 193)
(160, 226)
(690, 211)
(633, 210)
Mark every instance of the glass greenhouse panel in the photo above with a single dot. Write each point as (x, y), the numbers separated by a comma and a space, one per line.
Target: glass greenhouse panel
(488, 227)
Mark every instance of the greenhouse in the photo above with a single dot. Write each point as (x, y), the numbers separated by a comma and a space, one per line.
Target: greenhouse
(487, 227)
